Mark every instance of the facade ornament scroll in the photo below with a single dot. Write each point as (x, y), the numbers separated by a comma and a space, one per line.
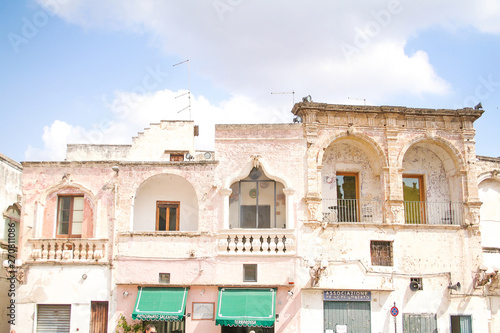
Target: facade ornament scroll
(313, 205)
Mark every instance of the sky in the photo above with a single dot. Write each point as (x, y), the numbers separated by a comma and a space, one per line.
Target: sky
(100, 71)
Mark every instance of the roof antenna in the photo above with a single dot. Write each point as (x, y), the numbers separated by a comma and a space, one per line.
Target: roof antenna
(358, 99)
(286, 93)
(189, 89)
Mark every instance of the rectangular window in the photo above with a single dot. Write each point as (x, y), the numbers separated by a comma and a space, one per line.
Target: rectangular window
(70, 216)
(414, 198)
(176, 157)
(347, 197)
(249, 273)
(167, 215)
(381, 253)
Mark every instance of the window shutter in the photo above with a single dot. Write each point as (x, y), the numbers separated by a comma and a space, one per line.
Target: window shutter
(53, 318)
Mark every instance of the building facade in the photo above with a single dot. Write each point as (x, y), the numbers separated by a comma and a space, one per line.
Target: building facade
(353, 219)
(10, 205)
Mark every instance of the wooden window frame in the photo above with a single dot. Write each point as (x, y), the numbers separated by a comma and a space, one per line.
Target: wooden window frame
(177, 218)
(70, 222)
(423, 199)
(357, 182)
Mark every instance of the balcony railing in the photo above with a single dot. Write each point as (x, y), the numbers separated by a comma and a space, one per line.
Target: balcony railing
(352, 210)
(440, 213)
(256, 242)
(68, 250)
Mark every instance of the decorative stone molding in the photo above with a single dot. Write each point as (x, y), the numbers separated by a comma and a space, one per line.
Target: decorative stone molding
(395, 213)
(314, 206)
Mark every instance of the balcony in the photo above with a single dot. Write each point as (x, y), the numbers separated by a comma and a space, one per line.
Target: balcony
(435, 213)
(352, 210)
(72, 250)
(267, 242)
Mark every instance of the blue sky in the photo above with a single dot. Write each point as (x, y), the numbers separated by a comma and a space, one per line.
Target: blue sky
(100, 71)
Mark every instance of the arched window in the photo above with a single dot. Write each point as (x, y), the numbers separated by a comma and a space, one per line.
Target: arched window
(257, 202)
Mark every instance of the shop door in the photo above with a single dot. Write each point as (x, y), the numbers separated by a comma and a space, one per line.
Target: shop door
(353, 316)
(98, 317)
(419, 323)
(227, 329)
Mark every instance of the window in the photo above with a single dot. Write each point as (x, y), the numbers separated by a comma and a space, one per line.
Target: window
(70, 216)
(167, 215)
(414, 198)
(249, 273)
(461, 324)
(347, 197)
(257, 202)
(176, 157)
(381, 253)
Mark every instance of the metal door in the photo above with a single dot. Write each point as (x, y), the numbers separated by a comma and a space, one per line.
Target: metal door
(355, 315)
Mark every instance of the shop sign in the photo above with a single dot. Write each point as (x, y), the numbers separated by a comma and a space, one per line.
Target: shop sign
(347, 295)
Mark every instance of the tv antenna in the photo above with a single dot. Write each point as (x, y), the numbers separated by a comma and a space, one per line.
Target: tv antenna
(358, 99)
(189, 89)
(286, 93)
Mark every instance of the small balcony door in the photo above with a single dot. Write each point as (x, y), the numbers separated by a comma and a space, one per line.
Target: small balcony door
(347, 197)
(414, 199)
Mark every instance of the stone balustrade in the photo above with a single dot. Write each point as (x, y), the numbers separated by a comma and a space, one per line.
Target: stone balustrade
(68, 250)
(256, 242)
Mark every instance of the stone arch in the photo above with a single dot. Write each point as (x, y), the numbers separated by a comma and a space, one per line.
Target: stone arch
(282, 186)
(451, 157)
(370, 147)
(259, 161)
(165, 187)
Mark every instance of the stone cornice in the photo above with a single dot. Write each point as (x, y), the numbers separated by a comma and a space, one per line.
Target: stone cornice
(398, 110)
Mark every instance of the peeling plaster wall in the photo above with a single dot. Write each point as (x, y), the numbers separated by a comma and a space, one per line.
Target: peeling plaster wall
(75, 285)
(419, 160)
(345, 156)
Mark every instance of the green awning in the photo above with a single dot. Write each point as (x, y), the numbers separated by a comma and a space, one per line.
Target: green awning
(246, 307)
(160, 304)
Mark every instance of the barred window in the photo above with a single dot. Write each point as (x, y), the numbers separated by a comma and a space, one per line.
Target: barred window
(381, 253)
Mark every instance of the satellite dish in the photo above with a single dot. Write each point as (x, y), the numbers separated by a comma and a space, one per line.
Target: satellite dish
(189, 156)
(208, 155)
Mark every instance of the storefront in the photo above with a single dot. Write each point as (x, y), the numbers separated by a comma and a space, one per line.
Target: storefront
(165, 307)
(242, 310)
(227, 310)
(347, 311)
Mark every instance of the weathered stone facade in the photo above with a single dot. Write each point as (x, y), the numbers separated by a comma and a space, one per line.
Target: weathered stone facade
(329, 213)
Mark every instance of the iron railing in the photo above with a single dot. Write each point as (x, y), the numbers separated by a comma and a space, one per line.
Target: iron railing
(352, 210)
(440, 213)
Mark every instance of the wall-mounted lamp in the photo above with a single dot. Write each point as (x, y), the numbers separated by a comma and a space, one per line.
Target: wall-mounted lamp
(317, 270)
(14, 270)
(84, 276)
(125, 294)
(290, 293)
(115, 168)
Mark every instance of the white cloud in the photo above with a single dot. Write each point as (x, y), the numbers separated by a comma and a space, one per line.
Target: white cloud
(250, 47)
